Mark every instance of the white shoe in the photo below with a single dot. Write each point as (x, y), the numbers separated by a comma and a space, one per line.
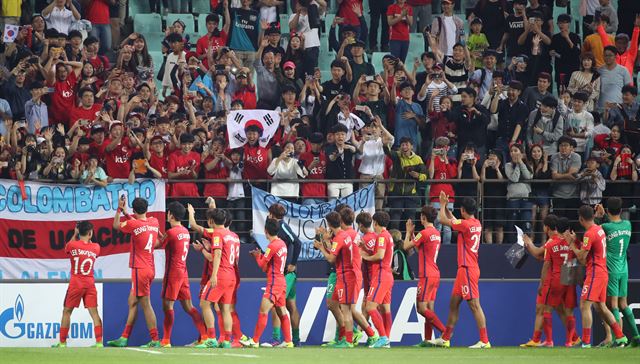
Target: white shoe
(249, 343)
(440, 342)
(480, 345)
(266, 345)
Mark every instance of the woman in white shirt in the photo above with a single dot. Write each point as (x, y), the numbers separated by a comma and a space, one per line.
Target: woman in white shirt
(306, 21)
(60, 14)
(285, 167)
(372, 157)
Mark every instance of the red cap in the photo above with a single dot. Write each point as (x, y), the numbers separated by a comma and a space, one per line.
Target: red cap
(289, 64)
(253, 123)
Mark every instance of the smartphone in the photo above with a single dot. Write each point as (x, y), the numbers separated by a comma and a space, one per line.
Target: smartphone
(50, 90)
(519, 59)
(4, 164)
(361, 108)
(368, 78)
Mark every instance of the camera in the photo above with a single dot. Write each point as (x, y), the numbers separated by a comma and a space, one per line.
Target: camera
(439, 151)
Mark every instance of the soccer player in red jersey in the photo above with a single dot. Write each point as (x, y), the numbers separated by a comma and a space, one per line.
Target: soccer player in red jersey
(379, 293)
(175, 285)
(236, 328)
(82, 285)
(551, 293)
(366, 240)
(144, 239)
(465, 286)
(427, 243)
(593, 254)
(272, 261)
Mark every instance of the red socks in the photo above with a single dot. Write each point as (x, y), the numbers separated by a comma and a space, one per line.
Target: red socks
(586, 335)
(97, 331)
(349, 336)
(211, 332)
(167, 325)
(286, 328)
(227, 336)
(260, 325)
(64, 333)
(433, 319)
(154, 334)
(237, 331)
(376, 318)
(197, 321)
(369, 331)
(388, 321)
(428, 331)
(341, 332)
(220, 323)
(537, 335)
(617, 331)
(448, 331)
(571, 328)
(127, 331)
(547, 326)
(484, 337)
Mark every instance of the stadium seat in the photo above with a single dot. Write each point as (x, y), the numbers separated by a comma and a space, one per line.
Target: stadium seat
(284, 23)
(158, 58)
(138, 7)
(325, 60)
(186, 18)
(202, 24)
(145, 23)
(376, 59)
(416, 42)
(201, 6)
(325, 75)
(154, 41)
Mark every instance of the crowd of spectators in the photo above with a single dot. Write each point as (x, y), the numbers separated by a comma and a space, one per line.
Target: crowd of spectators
(516, 98)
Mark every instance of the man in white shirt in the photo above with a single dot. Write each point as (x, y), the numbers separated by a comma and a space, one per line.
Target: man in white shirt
(60, 14)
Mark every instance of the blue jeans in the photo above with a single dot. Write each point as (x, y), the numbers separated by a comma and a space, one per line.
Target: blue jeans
(103, 33)
(519, 212)
(445, 231)
(399, 48)
(502, 146)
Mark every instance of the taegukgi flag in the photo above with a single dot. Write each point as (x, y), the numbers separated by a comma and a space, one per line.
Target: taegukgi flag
(237, 120)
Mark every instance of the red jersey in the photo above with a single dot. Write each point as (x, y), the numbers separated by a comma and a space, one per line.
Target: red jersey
(342, 248)
(256, 162)
(117, 160)
(469, 234)
(160, 163)
(229, 246)
(98, 149)
(176, 247)
(219, 171)
(595, 242)
(80, 113)
(427, 243)
(206, 269)
(211, 41)
(83, 257)
(317, 190)
(144, 235)
(98, 12)
(356, 259)
(442, 170)
(557, 253)
(369, 246)
(62, 100)
(178, 162)
(273, 261)
(247, 95)
(345, 11)
(400, 30)
(381, 270)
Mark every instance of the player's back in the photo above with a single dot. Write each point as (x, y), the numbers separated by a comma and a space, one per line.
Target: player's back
(369, 246)
(144, 235)
(356, 259)
(236, 244)
(342, 246)
(469, 235)
(595, 240)
(83, 256)
(618, 237)
(428, 245)
(176, 247)
(381, 270)
(557, 253)
(276, 254)
(230, 255)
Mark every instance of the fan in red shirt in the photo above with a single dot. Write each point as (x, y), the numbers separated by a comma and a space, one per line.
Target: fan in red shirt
(158, 156)
(427, 243)
(117, 152)
(400, 18)
(246, 90)
(83, 254)
(215, 38)
(98, 144)
(466, 283)
(175, 285)
(272, 262)
(593, 253)
(441, 167)
(256, 158)
(381, 279)
(315, 161)
(216, 166)
(144, 239)
(346, 12)
(87, 112)
(184, 164)
(64, 82)
(551, 293)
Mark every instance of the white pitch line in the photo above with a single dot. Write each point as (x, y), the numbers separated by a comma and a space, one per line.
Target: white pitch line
(250, 356)
(145, 351)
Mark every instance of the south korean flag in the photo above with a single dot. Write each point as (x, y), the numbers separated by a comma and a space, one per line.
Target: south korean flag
(238, 120)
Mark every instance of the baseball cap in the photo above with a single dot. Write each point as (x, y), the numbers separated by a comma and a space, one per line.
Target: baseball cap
(447, 1)
(97, 128)
(289, 64)
(316, 138)
(358, 43)
(489, 53)
(115, 123)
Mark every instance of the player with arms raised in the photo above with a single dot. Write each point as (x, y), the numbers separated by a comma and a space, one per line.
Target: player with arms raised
(175, 285)
(144, 239)
(82, 284)
(427, 243)
(593, 253)
(465, 286)
(272, 262)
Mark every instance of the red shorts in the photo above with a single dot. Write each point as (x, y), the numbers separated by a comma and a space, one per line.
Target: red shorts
(427, 289)
(346, 291)
(276, 294)
(594, 288)
(555, 295)
(81, 292)
(466, 283)
(380, 292)
(141, 279)
(221, 293)
(176, 288)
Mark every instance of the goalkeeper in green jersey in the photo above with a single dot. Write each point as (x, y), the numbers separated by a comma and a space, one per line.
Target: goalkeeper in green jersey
(618, 233)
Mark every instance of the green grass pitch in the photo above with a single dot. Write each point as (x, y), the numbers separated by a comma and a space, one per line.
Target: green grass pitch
(397, 355)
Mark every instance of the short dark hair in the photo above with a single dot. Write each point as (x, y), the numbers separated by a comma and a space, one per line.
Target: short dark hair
(568, 140)
(86, 89)
(551, 221)
(364, 219)
(84, 227)
(430, 213)
(347, 216)
(516, 85)
(177, 210)
(333, 219)
(586, 212)
(338, 64)
(271, 226)
(381, 218)
(631, 89)
(563, 224)
(212, 17)
(580, 95)
(340, 206)
(614, 205)
(338, 128)
(549, 101)
(186, 138)
(139, 205)
(611, 49)
(277, 210)
(469, 205)
(545, 76)
(229, 218)
(468, 91)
